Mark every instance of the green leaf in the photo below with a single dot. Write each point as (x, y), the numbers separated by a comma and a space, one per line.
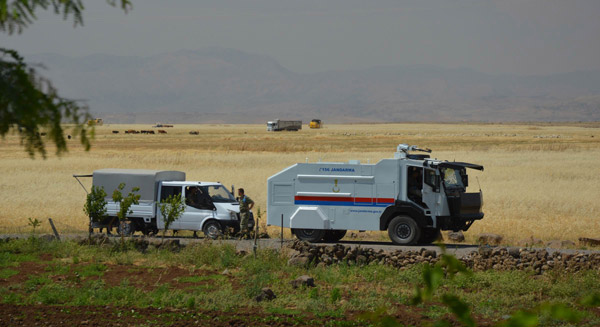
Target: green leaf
(522, 319)
(459, 308)
(453, 265)
(560, 311)
(592, 300)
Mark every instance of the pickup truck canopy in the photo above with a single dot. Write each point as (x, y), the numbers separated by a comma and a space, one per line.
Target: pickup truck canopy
(146, 180)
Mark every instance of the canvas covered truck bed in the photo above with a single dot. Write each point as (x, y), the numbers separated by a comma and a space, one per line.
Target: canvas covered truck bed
(146, 180)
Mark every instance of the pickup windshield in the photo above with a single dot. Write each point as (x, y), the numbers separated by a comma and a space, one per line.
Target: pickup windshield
(218, 193)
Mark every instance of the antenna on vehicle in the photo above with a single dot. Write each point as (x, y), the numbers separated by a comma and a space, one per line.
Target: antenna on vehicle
(477, 178)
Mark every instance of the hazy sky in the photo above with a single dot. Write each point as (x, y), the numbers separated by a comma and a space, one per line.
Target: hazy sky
(503, 36)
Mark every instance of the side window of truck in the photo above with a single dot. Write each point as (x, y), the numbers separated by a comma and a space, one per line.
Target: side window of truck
(198, 198)
(431, 179)
(167, 191)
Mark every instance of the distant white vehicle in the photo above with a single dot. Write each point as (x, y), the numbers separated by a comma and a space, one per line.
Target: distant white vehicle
(284, 125)
(210, 207)
(411, 196)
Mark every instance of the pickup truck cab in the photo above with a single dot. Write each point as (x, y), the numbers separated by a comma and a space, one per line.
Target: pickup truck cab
(209, 207)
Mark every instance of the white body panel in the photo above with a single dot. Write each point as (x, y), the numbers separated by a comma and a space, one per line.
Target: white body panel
(146, 210)
(343, 196)
(280, 125)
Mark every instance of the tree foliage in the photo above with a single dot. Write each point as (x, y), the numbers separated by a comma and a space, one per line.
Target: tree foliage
(125, 202)
(95, 204)
(29, 103)
(171, 209)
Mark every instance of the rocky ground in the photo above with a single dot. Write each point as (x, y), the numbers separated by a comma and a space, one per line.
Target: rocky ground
(484, 258)
(477, 258)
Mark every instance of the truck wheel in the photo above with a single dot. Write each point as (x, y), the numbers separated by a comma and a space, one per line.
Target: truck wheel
(126, 228)
(334, 235)
(309, 235)
(212, 229)
(404, 230)
(429, 235)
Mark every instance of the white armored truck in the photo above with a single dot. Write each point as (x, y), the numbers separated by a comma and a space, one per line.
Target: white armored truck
(210, 207)
(411, 196)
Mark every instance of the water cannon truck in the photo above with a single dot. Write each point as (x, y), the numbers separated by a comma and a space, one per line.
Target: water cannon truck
(411, 195)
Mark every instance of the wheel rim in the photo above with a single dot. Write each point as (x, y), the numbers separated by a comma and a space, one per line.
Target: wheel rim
(308, 232)
(404, 231)
(125, 228)
(212, 230)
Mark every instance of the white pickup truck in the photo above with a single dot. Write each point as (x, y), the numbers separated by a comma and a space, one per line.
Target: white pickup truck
(210, 207)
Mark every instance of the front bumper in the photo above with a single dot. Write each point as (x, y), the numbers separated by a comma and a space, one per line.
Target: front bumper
(462, 222)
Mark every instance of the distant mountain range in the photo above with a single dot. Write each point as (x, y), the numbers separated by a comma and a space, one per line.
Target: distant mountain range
(215, 85)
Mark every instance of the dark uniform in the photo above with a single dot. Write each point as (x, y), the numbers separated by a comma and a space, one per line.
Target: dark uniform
(245, 203)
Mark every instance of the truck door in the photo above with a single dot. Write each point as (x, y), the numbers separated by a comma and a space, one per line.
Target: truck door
(431, 190)
(414, 185)
(165, 192)
(198, 205)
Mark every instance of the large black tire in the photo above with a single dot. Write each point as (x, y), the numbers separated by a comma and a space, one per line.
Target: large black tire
(403, 230)
(429, 235)
(309, 235)
(212, 229)
(126, 228)
(334, 235)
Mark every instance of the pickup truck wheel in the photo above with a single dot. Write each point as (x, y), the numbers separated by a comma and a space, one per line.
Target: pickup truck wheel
(212, 229)
(309, 235)
(125, 228)
(403, 230)
(334, 235)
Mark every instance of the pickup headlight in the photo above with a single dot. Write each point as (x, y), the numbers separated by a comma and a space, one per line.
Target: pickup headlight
(233, 215)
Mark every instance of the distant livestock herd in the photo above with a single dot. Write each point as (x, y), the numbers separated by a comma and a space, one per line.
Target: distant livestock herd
(160, 131)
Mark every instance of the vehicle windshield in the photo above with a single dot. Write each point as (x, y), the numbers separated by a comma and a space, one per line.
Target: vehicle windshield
(218, 193)
(452, 178)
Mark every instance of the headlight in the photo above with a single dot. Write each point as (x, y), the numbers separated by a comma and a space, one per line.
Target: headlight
(233, 215)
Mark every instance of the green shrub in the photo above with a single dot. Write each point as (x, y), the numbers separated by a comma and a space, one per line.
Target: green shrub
(171, 209)
(95, 204)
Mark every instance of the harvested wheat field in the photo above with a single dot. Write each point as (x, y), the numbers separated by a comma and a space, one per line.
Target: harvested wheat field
(540, 180)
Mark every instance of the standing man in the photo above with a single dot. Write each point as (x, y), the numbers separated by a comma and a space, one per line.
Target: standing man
(246, 204)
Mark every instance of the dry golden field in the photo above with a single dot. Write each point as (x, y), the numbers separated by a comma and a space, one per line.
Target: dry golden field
(540, 180)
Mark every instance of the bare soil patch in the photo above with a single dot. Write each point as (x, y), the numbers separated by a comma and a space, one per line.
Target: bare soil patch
(46, 315)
